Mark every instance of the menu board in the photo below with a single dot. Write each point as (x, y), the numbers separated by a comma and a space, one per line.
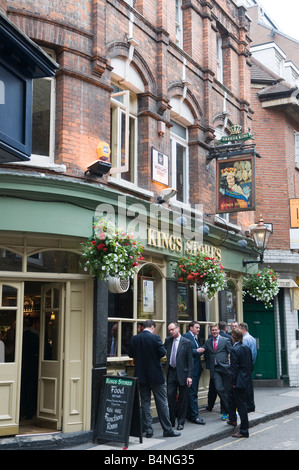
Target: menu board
(119, 398)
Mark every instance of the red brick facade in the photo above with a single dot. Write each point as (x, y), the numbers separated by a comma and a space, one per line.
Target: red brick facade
(87, 35)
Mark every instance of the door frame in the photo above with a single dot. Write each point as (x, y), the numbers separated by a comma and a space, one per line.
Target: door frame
(87, 284)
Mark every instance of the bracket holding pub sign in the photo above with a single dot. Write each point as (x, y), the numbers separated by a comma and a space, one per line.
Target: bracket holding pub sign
(119, 410)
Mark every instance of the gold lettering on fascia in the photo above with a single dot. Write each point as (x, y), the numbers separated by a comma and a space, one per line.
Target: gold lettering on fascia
(162, 240)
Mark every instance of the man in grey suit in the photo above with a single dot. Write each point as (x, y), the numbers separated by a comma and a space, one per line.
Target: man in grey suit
(179, 373)
(217, 349)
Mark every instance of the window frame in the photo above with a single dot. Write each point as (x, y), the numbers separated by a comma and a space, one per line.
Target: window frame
(179, 25)
(174, 140)
(48, 159)
(219, 58)
(118, 109)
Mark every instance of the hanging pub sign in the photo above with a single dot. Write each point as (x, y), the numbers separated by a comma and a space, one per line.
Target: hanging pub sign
(235, 184)
(235, 135)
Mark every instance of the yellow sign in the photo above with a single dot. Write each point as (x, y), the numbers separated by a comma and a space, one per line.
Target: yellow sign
(294, 213)
(103, 151)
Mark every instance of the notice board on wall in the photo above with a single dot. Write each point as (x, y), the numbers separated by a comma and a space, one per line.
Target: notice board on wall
(119, 410)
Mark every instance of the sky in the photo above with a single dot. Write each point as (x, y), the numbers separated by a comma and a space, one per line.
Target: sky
(285, 14)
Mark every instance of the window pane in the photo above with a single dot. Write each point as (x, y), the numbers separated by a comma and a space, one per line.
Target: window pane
(129, 175)
(51, 336)
(9, 296)
(10, 261)
(55, 262)
(180, 171)
(7, 335)
(41, 117)
(121, 305)
(179, 130)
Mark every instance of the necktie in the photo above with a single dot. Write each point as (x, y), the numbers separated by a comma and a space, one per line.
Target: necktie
(215, 345)
(173, 354)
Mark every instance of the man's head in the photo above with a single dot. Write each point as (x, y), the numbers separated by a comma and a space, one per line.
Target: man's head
(194, 327)
(214, 328)
(222, 326)
(174, 330)
(237, 336)
(234, 325)
(244, 328)
(149, 325)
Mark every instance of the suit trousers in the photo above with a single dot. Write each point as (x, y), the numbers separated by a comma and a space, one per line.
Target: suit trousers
(250, 397)
(237, 401)
(193, 399)
(174, 387)
(159, 392)
(222, 382)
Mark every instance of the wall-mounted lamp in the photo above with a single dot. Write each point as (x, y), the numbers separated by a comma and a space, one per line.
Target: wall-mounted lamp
(103, 165)
(260, 234)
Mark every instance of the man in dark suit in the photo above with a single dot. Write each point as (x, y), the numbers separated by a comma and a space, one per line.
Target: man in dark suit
(179, 373)
(147, 350)
(217, 349)
(241, 370)
(192, 335)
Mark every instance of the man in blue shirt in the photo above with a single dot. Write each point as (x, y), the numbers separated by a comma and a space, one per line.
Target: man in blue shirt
(249, 341)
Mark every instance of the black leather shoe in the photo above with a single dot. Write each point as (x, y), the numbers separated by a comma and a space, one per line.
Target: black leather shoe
(171, 434)
(180, 427)
(239, 434)
(149, 435)
(198, 421)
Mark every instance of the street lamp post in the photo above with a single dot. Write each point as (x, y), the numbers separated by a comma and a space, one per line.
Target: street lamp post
(260, 234)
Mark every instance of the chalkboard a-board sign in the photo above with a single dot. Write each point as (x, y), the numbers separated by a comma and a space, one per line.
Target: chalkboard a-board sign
(119, 411)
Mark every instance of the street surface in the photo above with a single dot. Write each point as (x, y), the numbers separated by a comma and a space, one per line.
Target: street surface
(277, 434)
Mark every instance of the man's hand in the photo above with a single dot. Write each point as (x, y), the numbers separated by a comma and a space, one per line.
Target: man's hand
(189, 381)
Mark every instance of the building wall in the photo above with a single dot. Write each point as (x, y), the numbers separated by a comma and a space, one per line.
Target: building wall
(276, 175)
(88, 35)
(261, 34)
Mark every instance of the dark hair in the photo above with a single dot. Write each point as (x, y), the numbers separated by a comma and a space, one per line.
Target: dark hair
(244, 326)
(149, 323)
(222, 325)
(237, 335)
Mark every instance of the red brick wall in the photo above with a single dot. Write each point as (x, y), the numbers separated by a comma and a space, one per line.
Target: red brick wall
(276, 176)
(86, 35)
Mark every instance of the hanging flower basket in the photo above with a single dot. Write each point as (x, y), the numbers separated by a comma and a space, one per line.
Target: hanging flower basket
(117, 285)
(111, 253)
(206, 273)
(262, 286)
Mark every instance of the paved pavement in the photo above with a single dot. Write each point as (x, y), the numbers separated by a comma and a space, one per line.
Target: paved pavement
(270, 403)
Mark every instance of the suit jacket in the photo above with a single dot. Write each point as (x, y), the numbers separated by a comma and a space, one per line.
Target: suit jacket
(184, 358)
(221, 356)
(147, 350)
(196, 357)
(241, 365)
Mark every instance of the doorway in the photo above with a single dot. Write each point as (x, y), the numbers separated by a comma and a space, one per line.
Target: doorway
(59, 318)
(42, 353)
(261, 326)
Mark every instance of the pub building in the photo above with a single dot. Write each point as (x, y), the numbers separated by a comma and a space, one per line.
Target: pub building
(95, 83)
